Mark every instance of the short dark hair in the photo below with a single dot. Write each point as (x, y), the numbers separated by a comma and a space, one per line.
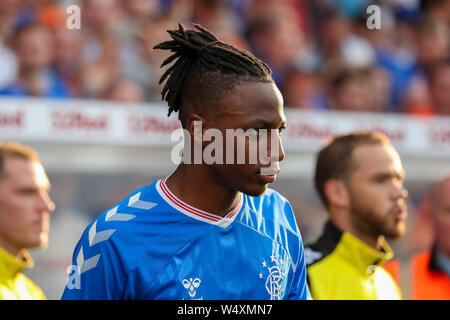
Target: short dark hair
(205, 69)
(334, 161)
(10, 149)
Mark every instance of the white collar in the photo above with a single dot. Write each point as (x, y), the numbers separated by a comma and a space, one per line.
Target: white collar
(195, 213)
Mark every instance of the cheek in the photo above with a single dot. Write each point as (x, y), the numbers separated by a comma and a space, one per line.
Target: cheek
(15, 210)
(374, 198)
(241, 152)
(241, 178)
(11, 226)
(238, 174)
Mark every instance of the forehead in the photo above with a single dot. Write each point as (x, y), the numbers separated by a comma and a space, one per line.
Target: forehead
(252, 102)
(24, 172)
(370, 159)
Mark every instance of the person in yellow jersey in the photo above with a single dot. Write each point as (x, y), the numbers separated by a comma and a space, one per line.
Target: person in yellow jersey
(25, 208)
(359, 178)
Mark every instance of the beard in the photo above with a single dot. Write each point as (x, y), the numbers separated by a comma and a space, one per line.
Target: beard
(371, 221)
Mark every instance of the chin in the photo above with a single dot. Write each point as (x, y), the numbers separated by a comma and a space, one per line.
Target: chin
(44, 241)
(397, 232)
(255, 191)
(40, 242)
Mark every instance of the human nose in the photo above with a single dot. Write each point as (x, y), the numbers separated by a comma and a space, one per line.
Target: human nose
(400, 192)
(275, 147)
(45, 202)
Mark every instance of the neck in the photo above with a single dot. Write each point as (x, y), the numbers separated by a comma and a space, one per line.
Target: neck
(344, 223)
(11, 249)
(197, 186)
(375, 242)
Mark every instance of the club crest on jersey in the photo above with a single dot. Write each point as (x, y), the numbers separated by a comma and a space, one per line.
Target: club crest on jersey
(191, 285)
(275, 274)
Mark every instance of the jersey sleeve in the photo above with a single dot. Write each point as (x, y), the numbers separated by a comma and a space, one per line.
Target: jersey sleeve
(96, 272)
(299, 289)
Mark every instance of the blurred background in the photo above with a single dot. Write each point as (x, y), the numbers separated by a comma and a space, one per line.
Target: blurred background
(88, 99)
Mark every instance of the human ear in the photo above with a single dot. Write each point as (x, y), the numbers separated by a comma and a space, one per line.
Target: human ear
(337, 193)
(195, 124)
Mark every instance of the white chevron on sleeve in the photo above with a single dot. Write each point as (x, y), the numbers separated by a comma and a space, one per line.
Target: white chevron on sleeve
(96, 237)
(112, 215)
(134, 202)
(88, 264)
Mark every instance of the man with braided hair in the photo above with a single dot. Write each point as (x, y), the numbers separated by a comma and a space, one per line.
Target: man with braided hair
(209, 230)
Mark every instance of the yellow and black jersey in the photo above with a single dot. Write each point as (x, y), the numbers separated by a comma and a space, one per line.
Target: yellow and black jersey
(340, 266)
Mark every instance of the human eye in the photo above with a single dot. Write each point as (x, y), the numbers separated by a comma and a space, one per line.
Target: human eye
(27, 191)
(381, 178)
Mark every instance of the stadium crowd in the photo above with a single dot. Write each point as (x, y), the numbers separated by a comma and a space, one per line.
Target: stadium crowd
(322, 53)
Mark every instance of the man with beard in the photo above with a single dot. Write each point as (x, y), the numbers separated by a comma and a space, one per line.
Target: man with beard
(359, 178)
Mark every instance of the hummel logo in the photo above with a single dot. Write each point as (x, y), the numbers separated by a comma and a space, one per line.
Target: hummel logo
(191, 285)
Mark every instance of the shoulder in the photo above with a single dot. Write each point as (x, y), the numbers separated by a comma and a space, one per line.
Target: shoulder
(140, 225)
(115, 230)
(123, 250)
(32, 290)
(324, 246)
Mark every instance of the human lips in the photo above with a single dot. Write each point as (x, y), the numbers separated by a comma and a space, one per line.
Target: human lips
(400, 214)
(41, 225)
(268, 175)
(268, 178)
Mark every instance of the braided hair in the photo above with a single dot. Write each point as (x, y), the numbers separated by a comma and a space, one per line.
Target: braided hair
(205, 68)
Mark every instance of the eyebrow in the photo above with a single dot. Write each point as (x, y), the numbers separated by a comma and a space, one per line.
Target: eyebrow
(389, 174)
(267, 124)
(46, 187)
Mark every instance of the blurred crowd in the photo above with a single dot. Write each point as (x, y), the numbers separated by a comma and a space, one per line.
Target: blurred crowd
(322, 53)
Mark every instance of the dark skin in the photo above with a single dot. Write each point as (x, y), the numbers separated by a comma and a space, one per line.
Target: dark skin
(217, 188)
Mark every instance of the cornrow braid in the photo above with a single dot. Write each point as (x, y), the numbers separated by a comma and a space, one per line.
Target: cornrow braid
(196, 52)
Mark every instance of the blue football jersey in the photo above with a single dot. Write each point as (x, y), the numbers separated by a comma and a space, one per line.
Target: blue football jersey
(152, 245)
